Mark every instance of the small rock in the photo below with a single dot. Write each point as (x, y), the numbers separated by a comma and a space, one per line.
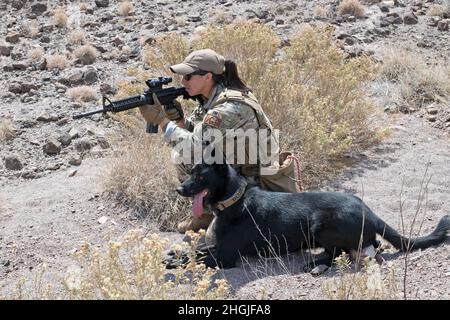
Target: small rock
(38, 8)
(102, 220)
(65, 139)
(74, 133)
(75, 160)
(4, 50)
(442, 25)
(102, 3)
(45, 117)
(83, 145)
(431, 118)
(72, 173)
(432, 110)
(12, 37)
(12, 162)
(410, 18)
(52, 146)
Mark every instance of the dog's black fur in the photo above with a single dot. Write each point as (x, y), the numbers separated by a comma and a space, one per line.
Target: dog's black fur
(290, 221)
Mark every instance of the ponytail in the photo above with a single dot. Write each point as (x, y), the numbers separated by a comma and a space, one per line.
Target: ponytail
(230, 78)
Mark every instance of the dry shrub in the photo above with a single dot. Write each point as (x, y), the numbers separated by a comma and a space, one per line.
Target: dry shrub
(324, 110)
(82, 94)
(36, 54)
(420, 83)
(220, 16)
(321, 12)
(352, 7)
(57, 61)
(77, 37)
(60, 17)
(142, 176)
(437, 10)
(166, 51)
(252, 46)
(371, 283)
(83, 6)
(30, 29)
(131, 269)
(181, 21)
(310, 92)
(125, 8)
(126, 50)
(7, 130)
(134, 83)
(86, 54)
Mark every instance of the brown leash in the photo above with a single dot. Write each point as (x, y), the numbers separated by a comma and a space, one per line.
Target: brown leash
(298, 177)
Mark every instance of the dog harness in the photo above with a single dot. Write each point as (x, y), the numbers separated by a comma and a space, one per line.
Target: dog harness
(222, 205)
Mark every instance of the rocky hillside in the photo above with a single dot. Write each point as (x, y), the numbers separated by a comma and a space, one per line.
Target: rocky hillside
(34, 88)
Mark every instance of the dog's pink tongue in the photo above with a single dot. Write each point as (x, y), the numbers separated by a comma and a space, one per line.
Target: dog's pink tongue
(197, 205)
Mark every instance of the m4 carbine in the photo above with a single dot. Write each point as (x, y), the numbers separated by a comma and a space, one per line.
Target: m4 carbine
(165, 96)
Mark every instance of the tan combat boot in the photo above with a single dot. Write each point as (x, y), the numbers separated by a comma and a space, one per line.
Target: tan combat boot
(195, 224)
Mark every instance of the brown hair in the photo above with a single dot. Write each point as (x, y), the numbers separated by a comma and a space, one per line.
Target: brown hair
(230, 78)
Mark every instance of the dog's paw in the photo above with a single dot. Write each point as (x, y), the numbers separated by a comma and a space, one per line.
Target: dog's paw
(173, 260)
(318, 270)
(315, 270)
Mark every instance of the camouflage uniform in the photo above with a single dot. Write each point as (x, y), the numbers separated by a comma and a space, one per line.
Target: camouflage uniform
(220, 113)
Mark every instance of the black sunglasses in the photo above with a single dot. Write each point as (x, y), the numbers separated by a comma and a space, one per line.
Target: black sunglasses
(195, 73)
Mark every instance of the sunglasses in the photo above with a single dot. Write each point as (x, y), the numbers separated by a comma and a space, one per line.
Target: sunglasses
(195, 73)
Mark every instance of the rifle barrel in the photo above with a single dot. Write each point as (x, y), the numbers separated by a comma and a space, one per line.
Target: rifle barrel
(82, 115)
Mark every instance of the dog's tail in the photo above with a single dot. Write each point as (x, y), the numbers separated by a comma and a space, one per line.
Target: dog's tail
(404, 244)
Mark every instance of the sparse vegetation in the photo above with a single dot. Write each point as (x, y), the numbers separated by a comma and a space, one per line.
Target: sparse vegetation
(220, 17)
(77, 36)
(57, 61)
(30, 30)
(321, 12)
(325, 112)
(36, 54)
(352, 7)
(83, 6)
(86, 54)
(420, 82)
(125, 8)
(437, 10)
(145, 185)
(310, 91)
(167, 50)
(7, 130)
(82, 94)
(181, 21)
(371, 283)
(60, 17)
(130, 268)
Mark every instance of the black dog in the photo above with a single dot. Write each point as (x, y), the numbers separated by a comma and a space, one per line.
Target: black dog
(249, 219)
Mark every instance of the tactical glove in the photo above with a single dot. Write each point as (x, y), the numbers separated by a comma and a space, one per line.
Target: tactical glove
(174, 112)
(153, 113)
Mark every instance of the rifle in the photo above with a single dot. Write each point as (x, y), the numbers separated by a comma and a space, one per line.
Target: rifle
(165, 96)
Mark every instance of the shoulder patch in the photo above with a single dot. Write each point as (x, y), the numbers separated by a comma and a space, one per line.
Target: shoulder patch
(213, 120)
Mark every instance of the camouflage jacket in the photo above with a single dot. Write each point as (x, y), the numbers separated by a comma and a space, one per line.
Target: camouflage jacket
(208, 120)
